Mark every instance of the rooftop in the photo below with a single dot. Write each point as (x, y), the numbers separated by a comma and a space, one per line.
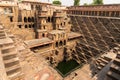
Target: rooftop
(73, 35)
(37, 42)
(56, 32)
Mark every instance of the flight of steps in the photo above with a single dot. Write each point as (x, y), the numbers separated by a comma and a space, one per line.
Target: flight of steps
(2, 34)
(9, 56)
(102, 62)
(114, 72)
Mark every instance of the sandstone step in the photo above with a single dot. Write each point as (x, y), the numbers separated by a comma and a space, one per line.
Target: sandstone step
(115, 68)
(118, 56)
(2, 31)
(8, 47)
(11, 64)
(10, 53)
(2, 34)
(9, 57)
(99, 67)
(2, 37)
(113, 75)
(11, 60)
(102, 64)
(12, 67)
(99, 61)
(107, 58)
(4, 51)
(116, 61)
(104, 61)
(14, 73)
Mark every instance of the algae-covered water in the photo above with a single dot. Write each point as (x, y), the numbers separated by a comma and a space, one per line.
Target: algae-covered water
(65, 67)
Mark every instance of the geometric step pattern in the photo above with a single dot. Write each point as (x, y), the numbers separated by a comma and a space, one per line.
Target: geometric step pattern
(99, 35)
(102, 62)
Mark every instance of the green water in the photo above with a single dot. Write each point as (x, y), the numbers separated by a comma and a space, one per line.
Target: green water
(65, 67)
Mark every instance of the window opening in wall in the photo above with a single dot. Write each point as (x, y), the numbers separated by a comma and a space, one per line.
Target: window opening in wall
(64, 23)
(64, 42)
(61, 24)
(47, 58)
(44, 27)
(103, 13)
(60, 43)
(11, 19)
(95, 13)
(5, 10)
(32, 7)
(29, 26)
(32, 19)
(52, 19)
(107, 13)
(113, 13)
(117, 13)
(29, 19)
(20, 26)
(56, 52)
(10, 10)
(25, 19)
(43, 35)
(25, 26)
(48, 19)
(33, 25)
(56, 44)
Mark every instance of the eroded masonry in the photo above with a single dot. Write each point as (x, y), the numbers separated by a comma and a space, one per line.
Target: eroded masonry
(41, 41)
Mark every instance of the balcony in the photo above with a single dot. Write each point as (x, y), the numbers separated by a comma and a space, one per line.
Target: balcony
(58, 14)
(42, 13)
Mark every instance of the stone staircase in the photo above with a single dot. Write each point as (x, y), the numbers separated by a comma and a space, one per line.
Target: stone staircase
(2, 34)
(114, 72)
(9, 56)
(102, 62)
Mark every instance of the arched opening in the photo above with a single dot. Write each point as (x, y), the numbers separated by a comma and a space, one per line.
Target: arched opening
(103, 13)
(33, 26)
(113, 13)
(25, 26)
(56, 44)
(117, 14)
(43, 35)
(52, 19)
(56, 52)
(61, 43)
(30, 26)
(61, 24)
(25, 19)
(47, 58)
(51, 60)
(20, 26)
(95, 13)
(29, 19)
(107, 13)
(11, 19)
(43, 27)
(64, 42)
(48, 19)
(32, 19)
(32, 7)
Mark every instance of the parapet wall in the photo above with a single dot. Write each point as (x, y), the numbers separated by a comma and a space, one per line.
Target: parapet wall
(96, 10)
